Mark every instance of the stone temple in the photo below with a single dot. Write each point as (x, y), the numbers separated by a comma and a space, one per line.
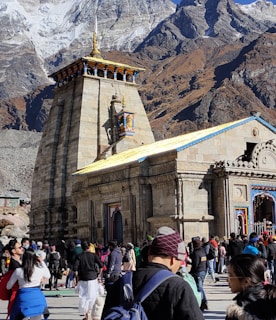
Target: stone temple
(100, 175)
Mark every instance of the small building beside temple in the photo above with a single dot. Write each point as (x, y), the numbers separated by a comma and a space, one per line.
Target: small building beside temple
(100, 175)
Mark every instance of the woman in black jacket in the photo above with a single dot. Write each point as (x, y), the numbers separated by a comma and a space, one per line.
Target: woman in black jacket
(256, 299)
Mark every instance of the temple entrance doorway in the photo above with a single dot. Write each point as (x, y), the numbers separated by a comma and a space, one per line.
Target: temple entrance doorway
(264, 213)
(114, 224)
(241, 224)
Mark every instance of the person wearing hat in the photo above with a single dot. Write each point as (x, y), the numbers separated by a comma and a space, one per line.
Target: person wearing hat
(40, 252)
(173, 298)
(129, 259)
(252, 246)
(265, 236)
(78, 248)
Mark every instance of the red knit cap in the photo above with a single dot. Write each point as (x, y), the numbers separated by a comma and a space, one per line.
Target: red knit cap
(168, 242)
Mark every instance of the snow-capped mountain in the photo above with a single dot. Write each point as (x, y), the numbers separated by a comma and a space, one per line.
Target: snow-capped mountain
(54, 25)
(260, 10)
(37, 37)
(33, 33)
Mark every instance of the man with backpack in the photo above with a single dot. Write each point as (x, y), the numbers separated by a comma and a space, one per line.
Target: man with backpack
(211, 250)
(172, 298)
(54, 263)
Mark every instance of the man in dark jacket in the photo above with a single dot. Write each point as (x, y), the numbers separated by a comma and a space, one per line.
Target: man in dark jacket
(173, 299)
(199, 269)
(235, 246)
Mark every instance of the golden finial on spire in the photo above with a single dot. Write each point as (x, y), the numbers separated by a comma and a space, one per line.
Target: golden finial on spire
(95, 51)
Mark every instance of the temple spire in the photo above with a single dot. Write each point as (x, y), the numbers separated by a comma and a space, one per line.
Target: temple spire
(95, 51)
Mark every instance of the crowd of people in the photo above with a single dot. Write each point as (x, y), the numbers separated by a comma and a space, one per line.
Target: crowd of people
(217, 255)
(89, 268)
(95, 272)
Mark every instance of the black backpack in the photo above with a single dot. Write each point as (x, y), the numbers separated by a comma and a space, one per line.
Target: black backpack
(212, 252)
(131, 307)
(126, 257)
(54, 261)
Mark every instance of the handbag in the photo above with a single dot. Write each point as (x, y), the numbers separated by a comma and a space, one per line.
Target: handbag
(4, 292)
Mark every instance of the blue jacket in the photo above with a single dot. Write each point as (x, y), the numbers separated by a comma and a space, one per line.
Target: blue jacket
(30, 302)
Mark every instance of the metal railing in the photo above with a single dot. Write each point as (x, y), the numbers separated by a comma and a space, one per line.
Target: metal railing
(261, 226)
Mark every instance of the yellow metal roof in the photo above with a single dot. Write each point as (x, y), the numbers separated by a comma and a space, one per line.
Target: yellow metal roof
(176, 143)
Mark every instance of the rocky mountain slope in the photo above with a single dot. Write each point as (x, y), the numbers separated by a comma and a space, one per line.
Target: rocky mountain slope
(209, 86)
(18, 150)
(207, 62)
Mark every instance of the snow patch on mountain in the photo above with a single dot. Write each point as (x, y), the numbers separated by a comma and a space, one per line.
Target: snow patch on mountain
(47, 25)
(53, 25)
(260, 10)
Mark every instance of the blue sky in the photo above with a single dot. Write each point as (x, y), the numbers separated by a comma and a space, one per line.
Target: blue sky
(237, 1)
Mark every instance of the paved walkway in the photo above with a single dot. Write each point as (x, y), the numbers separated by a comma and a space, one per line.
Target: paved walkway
(63, 304)
(219, 296)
